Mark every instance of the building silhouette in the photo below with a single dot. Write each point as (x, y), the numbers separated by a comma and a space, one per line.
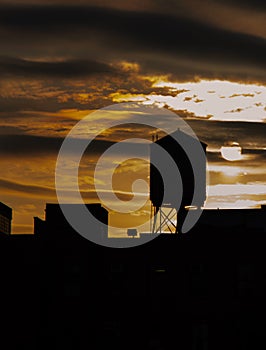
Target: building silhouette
(198, 291)
(201, 290)
(56, 223)
(233, 220)
(5, 218)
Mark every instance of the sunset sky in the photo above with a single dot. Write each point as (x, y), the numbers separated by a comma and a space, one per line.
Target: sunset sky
(63, 59)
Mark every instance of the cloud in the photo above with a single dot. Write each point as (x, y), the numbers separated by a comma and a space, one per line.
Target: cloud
(30, 190)
(237, 110)
(10, 130)
(251, 4)
(37, 191)
(213, 106)
(237, 16)
(216, 133)
(21, 68)
(17, 140)
(244, 95)
(31, 145)
(236, 195)
(36, 93)
(227, 190)
(116, 4)
(160, 43)
(28, 144)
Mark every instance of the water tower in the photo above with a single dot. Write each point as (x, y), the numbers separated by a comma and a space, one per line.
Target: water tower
(170, 206)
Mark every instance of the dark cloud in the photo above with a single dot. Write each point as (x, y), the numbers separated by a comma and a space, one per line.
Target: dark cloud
(16, 104)
(216, 133)
(10, 130)
(31, 145)
(159, 42)
(10, 105)
(25, 188)
(28, 144)
(251, 4)
(10, 66)
(48, 192)
(86, 93)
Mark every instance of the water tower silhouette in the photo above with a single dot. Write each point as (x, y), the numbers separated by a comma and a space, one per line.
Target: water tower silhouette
(171, 207)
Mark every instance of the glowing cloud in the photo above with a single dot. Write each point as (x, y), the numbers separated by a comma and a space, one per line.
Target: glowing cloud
(216, 99)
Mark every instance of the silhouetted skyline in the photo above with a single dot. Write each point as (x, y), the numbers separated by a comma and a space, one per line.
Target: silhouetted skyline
(200, 62)
(211, 280)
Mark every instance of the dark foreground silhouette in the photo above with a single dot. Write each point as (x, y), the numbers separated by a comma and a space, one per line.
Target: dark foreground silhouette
(202, 290)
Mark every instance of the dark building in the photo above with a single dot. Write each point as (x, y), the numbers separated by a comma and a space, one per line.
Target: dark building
(233, 220)
(197, 291)
(5, 218)
(56, 223)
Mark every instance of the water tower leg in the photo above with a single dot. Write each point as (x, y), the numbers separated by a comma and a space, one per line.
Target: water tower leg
(181, 215)
(155, 217)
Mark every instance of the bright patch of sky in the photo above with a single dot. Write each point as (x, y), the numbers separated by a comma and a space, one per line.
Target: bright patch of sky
(217, 100)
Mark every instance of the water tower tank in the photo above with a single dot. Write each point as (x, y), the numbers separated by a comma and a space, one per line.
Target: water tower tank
(181, 159)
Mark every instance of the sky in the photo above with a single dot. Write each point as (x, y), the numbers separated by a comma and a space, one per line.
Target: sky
(62, 60)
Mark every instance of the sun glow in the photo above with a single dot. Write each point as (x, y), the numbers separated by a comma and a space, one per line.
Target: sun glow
(231, 152)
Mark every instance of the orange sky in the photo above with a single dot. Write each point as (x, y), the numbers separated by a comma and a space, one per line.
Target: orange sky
(27, 179)
(94, 54)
